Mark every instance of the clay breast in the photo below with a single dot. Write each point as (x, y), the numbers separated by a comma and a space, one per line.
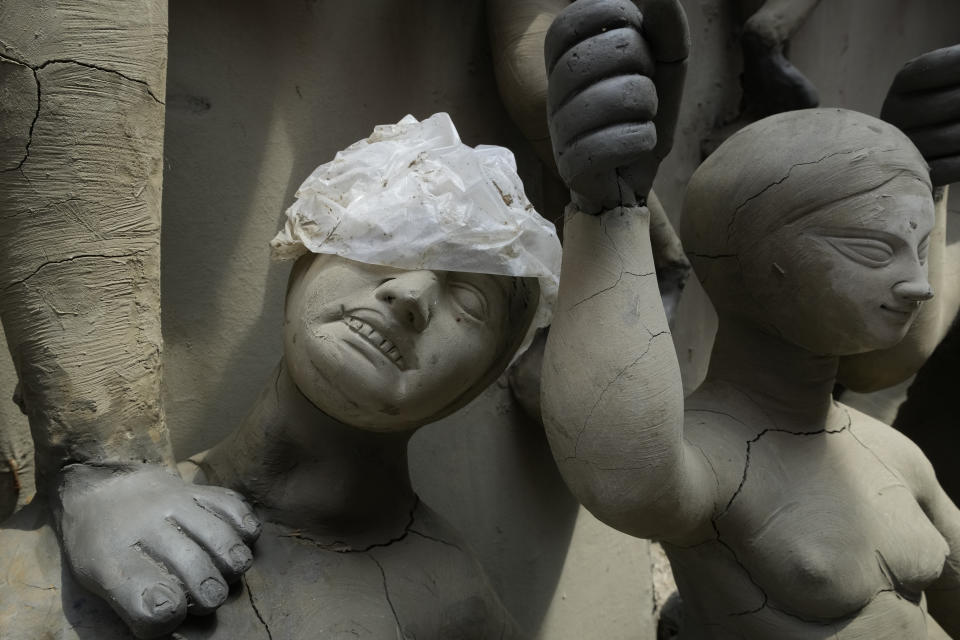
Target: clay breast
(823, 525)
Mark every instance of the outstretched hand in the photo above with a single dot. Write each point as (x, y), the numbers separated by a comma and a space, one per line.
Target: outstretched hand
(154, 547)
(615, 81)
(924, 102)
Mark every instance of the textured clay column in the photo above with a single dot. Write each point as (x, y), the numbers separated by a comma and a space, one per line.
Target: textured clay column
(81, 147)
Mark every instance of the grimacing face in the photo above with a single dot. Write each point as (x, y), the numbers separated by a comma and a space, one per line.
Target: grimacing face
(851, 277)
(386, 349)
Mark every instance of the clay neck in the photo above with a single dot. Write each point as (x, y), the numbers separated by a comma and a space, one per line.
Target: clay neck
(790, 384)
(308, 470)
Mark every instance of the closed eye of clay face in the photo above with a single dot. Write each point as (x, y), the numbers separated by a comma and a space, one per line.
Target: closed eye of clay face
(850, 277)
(384, 348)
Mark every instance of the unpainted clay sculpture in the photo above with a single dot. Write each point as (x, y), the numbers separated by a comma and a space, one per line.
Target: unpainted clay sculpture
(784, 513)
(81, 125)
(372, 351)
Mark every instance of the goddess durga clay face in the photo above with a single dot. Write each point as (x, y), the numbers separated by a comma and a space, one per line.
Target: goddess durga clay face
(848, 278)
(384, 348)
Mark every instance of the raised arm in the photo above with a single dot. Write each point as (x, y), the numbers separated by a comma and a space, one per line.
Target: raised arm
(518, 29)
(612, 396)
(924, 102)
(81, 124)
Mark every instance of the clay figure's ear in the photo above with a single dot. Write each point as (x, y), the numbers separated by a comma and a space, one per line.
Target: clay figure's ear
(924, 102)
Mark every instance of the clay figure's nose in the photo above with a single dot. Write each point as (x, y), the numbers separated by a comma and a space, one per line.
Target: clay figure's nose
(410, 296)
(915, 290)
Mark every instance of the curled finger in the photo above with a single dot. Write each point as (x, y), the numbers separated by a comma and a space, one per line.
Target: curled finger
(936, 141)
(605, 150)
(914, 110)
(616, 100)
(944, 170)
(584, 19)
(617, 52)
(933, 70)
(665, 27)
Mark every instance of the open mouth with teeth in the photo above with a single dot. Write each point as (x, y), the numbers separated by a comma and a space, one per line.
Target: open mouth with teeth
(376, 340)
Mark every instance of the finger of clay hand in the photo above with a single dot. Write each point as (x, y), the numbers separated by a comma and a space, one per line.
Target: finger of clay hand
(937, 141)
(944, 170)
(219, 539)
(605, 149)
(665, 28)
(148, 600)
(584, 19)
(912, 110)
(185, 559)
(617, 52)
(231, 507)
(932, 70)
(621, 99)
(670, 77)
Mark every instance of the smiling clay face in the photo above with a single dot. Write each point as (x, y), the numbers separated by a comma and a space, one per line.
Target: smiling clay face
(850, 277)
(383, 348)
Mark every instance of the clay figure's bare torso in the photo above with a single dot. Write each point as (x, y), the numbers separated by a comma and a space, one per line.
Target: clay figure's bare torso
(823, 529)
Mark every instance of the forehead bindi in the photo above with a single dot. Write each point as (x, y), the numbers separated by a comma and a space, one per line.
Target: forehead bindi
(907, 214)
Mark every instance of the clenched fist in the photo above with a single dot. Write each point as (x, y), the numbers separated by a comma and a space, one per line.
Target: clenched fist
(615, 80)
(924, 102)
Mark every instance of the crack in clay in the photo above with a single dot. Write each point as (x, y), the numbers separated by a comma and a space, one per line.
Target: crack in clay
(256, 611)
(89, 65)
(751, 442)
(874, 454)
(77, 257)
(623, 271)
(743, 480)
(706, 458)
(733, 218)
(342, 547)
(586, 420)
(713, 256)
(36, 77)
(386, 593)
(36, 115)
(434, 539)
(605, 289)
(721, 542)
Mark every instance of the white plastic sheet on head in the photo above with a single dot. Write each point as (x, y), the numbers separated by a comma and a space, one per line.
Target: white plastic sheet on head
(413, 196)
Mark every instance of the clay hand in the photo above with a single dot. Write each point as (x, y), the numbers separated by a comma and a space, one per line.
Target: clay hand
(924, 102)
(151, 545)
(608, 67)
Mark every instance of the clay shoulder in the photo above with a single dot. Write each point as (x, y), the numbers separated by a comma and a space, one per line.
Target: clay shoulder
(895, 450)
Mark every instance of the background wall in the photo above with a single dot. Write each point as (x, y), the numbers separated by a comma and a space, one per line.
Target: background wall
(261, 93)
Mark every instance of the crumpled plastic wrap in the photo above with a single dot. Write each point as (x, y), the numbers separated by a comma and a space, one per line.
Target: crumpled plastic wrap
(413, 196)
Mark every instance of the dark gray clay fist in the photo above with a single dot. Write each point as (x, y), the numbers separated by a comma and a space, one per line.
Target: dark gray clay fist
(613, 93)
(924, 102)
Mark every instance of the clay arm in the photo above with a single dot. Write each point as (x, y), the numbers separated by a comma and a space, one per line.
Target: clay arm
(924, 101)
(612, 396)
(943, 596)
(81, 125)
